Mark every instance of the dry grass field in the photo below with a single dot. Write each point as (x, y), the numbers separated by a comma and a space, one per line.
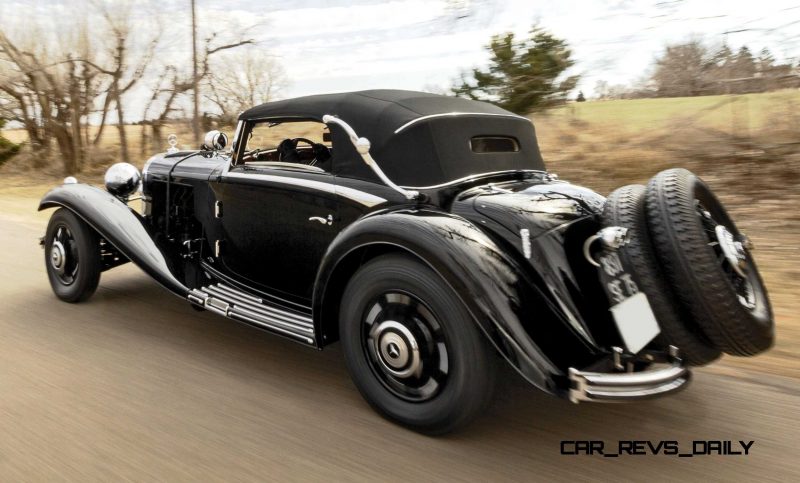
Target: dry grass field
(746, 147)
(724, 112)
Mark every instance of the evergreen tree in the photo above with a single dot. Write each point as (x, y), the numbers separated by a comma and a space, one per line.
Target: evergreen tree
(765, 61)
(523, 76)
(744, 63)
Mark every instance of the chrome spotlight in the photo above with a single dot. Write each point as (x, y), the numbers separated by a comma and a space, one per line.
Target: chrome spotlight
(215, 141)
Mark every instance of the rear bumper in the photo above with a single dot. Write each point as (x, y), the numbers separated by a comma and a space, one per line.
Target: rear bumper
(631, 386)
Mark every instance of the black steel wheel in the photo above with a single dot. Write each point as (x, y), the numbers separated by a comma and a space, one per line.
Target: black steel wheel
(405, 346)
(72, 257)
(708, 263)
(411, 347)
(625, 207)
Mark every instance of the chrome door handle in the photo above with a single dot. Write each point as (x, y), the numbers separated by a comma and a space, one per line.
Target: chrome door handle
(324, 221)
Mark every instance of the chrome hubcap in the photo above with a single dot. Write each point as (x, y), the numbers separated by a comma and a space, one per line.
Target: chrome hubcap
(397, 349)
(405, 346)
(58, 257)
(731, 254)
(732, 249)
(63, 256)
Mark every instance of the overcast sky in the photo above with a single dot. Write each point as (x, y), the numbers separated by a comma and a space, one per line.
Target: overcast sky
(339, 45)
(328, 46)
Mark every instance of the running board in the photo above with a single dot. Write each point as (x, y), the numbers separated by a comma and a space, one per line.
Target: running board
(238, 305)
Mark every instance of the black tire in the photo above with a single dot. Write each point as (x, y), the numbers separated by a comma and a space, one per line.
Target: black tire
(467, 387)
(732, 310)
(625, 207)
(74, 277)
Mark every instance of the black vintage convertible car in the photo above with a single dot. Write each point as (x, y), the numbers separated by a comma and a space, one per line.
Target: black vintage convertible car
(430, 248)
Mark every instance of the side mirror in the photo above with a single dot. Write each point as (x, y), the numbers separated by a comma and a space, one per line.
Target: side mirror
(215, 141)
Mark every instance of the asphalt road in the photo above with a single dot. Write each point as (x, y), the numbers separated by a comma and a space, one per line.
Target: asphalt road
(134, 384)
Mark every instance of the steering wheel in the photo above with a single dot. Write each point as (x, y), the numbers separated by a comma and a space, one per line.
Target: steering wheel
(287, 151)
(252, 155)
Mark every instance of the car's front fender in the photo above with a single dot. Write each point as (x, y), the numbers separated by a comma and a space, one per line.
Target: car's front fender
(489, 283)
(117, 224)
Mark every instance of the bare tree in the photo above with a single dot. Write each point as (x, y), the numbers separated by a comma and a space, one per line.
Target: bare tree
(48, 89)
(692, 69)
(601, 89)
(179, 82)
(243, 79)
(682, 70)
(123, 74)
(18, 103)
(52, 77)
(195, 78)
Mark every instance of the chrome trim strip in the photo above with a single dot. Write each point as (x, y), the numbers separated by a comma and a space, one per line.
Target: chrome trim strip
(252, 303)
(271, 299)
(236, 134)
(233, 291)
(270, 320)
(361, 197)
(467, 178)
(146, 167)
(288, 333)
(456, 114)
(239, 300)
(196, 297)
(235, 304)
(525, 237)
(214, 291)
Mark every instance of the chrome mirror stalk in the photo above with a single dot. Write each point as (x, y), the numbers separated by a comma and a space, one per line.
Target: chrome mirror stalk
(362, 145)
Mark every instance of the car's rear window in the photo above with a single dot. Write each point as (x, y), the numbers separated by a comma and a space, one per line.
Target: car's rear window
(494, 144)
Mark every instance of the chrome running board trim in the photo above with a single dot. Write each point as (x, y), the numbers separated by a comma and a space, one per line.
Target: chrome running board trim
(244, 307)
(255, 304)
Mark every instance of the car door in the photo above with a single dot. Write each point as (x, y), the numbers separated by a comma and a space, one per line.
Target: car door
(277, 224)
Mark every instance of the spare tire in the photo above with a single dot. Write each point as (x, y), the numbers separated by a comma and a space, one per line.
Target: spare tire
(625, 207)
(707, 263)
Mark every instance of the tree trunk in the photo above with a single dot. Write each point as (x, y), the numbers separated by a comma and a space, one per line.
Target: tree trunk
(66, 148)
(101, 127)
(143, 144)
(195, 81)
(123, 140)
(75, 121)
(158, 140)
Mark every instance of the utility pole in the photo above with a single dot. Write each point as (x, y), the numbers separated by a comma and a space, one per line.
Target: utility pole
(196, 114)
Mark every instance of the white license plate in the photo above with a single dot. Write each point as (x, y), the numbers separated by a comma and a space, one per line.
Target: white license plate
(635, 321)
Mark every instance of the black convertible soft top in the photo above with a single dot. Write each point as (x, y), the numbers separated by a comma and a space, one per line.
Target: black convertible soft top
(418, 139)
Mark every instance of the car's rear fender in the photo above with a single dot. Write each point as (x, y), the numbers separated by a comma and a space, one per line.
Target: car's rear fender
(501, 298)
(117, 224)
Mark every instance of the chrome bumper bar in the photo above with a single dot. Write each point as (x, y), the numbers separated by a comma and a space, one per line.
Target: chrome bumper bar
(630, 386)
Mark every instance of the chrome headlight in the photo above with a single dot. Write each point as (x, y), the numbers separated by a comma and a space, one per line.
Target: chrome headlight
(122, 179)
